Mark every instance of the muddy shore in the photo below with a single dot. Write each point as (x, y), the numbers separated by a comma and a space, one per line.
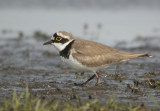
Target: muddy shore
(24, 61)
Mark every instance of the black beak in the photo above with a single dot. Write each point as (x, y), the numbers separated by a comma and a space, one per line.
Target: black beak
(47, 43)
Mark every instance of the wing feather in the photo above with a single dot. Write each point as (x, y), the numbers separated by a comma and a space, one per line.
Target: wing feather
(95, 54)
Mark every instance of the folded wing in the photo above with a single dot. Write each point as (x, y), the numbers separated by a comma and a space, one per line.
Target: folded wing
(95, 54)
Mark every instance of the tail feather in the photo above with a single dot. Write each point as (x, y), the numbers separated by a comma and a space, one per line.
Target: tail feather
(144, 55)
(136, 55)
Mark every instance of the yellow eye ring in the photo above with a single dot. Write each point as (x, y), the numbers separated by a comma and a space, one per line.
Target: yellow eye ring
(58, 38)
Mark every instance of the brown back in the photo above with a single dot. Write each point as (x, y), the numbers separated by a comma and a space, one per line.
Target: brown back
(95, 54)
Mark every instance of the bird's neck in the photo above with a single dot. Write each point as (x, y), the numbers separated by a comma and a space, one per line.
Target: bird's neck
(66, 51)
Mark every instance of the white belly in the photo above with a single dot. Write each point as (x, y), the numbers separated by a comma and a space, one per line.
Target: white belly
(73, 63)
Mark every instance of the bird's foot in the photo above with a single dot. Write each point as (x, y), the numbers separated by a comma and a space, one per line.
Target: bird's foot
(80, 84)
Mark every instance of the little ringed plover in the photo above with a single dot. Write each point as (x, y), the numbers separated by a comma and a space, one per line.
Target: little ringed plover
(85, 55)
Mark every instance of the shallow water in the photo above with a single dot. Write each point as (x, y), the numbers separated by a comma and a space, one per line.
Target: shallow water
(105, 26)
(25, 61)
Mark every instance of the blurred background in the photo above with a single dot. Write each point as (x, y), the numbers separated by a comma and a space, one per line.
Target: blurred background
(106, 21)
(129, 25)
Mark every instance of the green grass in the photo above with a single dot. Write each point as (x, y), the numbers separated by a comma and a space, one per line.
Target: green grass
(25, 102)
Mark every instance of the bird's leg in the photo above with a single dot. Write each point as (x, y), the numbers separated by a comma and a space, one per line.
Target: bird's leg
(83, 84)
(98, 78)
(89, 79)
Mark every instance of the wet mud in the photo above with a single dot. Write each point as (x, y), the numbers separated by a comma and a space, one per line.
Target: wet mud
(24, 61)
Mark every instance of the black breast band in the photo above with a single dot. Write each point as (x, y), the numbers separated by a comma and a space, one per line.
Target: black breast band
(66, 51)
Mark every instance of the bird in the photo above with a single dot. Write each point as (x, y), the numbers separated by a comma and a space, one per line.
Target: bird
(88, 56)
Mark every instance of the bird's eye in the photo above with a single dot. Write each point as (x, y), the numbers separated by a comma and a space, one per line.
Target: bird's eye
(58, 39)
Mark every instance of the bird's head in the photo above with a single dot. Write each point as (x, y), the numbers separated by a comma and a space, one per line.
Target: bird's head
(60, 40)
